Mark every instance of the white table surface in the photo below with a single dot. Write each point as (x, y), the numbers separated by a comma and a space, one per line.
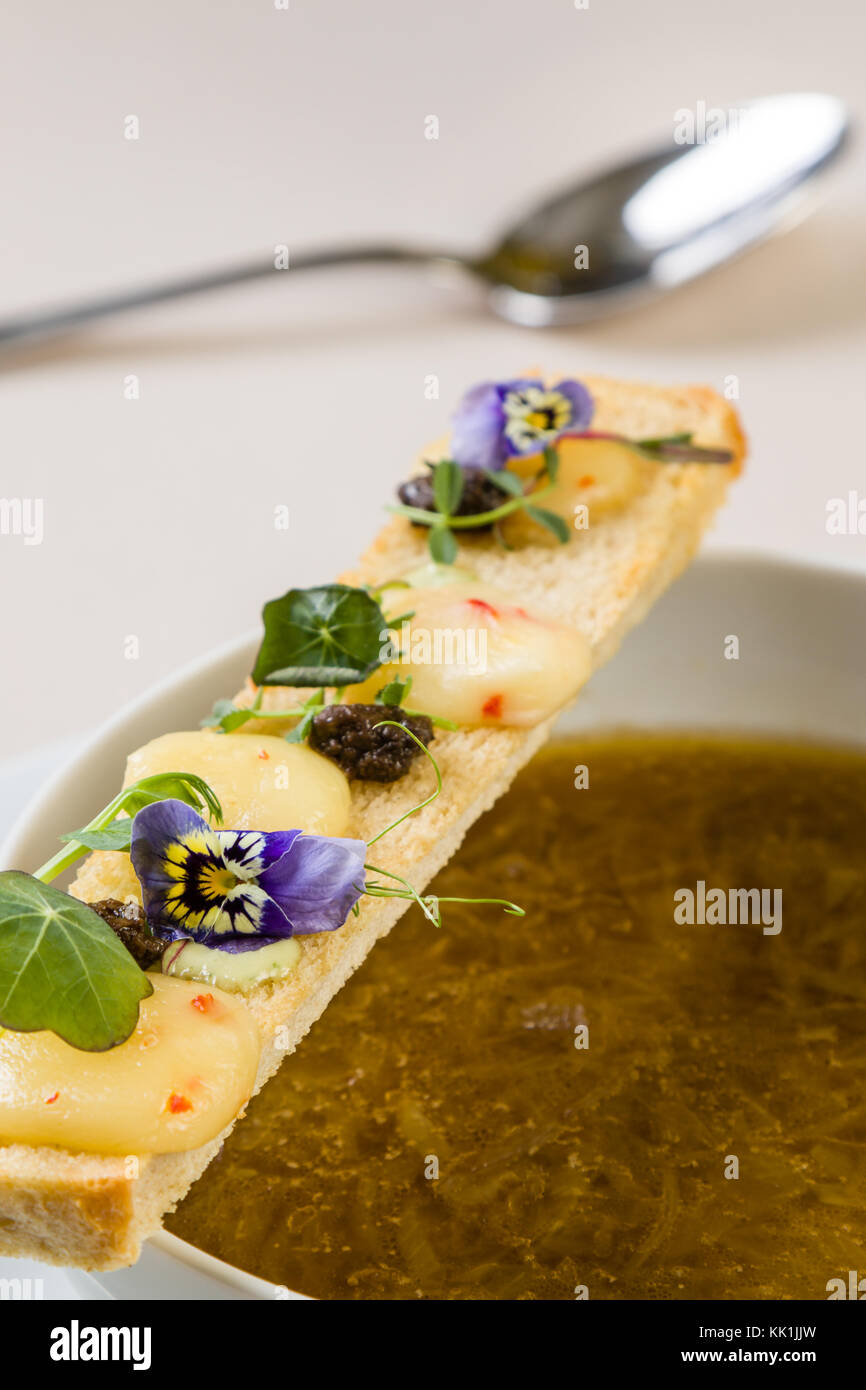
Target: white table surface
(305, 126)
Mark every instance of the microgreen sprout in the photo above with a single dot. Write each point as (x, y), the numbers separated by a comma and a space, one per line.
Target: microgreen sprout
(308, 712)
(106, 831)
(429, 903)
(394, 693)
(448, 485)
(395, 723)
(227, 716)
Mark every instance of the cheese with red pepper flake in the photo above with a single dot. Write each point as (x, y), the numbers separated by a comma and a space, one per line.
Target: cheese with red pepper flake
(177, 1081)
(477, 656)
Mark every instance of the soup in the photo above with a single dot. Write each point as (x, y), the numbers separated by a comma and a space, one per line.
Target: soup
(602, 1099)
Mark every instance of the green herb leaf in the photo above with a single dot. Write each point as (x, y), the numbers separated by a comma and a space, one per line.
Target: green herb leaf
(221, 709)
(236, 718)
(62, 968)
(310, 709)
(435, 719)
(301, 729)
(505, 481)
(551, 463)
(331, 635)
(447, 486)
(551, 520)
(661, 439)
(164, 786)
(228, 716)
(114, 836)
(443, 546)
(395, 692)
(678, 448)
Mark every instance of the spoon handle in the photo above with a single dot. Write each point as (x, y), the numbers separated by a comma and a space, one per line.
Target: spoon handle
(47, 322)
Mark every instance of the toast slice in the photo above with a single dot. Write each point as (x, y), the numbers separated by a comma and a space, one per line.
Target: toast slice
(94, 1211)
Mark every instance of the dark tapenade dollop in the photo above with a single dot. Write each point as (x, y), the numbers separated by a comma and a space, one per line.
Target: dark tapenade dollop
(347, 734)
(479, 495)
(128, 922)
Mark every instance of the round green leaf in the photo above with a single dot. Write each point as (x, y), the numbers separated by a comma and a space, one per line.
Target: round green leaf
(331, 635)
(63, 968)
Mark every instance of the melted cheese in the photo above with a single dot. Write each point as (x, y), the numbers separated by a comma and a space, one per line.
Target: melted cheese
(182, 1076)
(477, 657)
(263, 782)
(599, 475)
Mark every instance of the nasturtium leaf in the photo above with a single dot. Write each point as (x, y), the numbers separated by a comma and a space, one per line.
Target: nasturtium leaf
(443, 546)
(331, 635)
(447, 486)
(552, 520)
(62, 968)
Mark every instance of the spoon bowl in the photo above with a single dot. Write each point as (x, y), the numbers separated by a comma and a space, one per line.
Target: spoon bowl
(660, 220)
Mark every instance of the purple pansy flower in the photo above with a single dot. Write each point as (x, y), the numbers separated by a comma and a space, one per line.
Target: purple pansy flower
(496, 421)
(240, 889)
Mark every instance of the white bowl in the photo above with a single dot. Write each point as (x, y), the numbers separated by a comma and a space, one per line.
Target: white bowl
(801, 671)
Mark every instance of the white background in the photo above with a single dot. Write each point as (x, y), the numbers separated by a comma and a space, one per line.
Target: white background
(261, 126)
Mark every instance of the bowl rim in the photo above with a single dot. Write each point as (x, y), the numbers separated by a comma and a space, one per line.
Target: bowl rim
(250, 1285)
(164, 1244)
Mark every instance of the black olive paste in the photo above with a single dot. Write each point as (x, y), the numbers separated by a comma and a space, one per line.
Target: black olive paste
(129, 924)
(364, 742)
(479, 495)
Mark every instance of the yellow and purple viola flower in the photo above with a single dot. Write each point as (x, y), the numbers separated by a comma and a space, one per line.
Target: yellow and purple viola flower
(498, 421)
(240, 889)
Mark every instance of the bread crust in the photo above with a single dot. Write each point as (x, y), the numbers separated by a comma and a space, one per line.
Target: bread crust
(95, 1212)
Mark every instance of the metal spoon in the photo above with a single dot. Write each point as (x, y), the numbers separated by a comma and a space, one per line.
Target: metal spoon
(625, 236)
